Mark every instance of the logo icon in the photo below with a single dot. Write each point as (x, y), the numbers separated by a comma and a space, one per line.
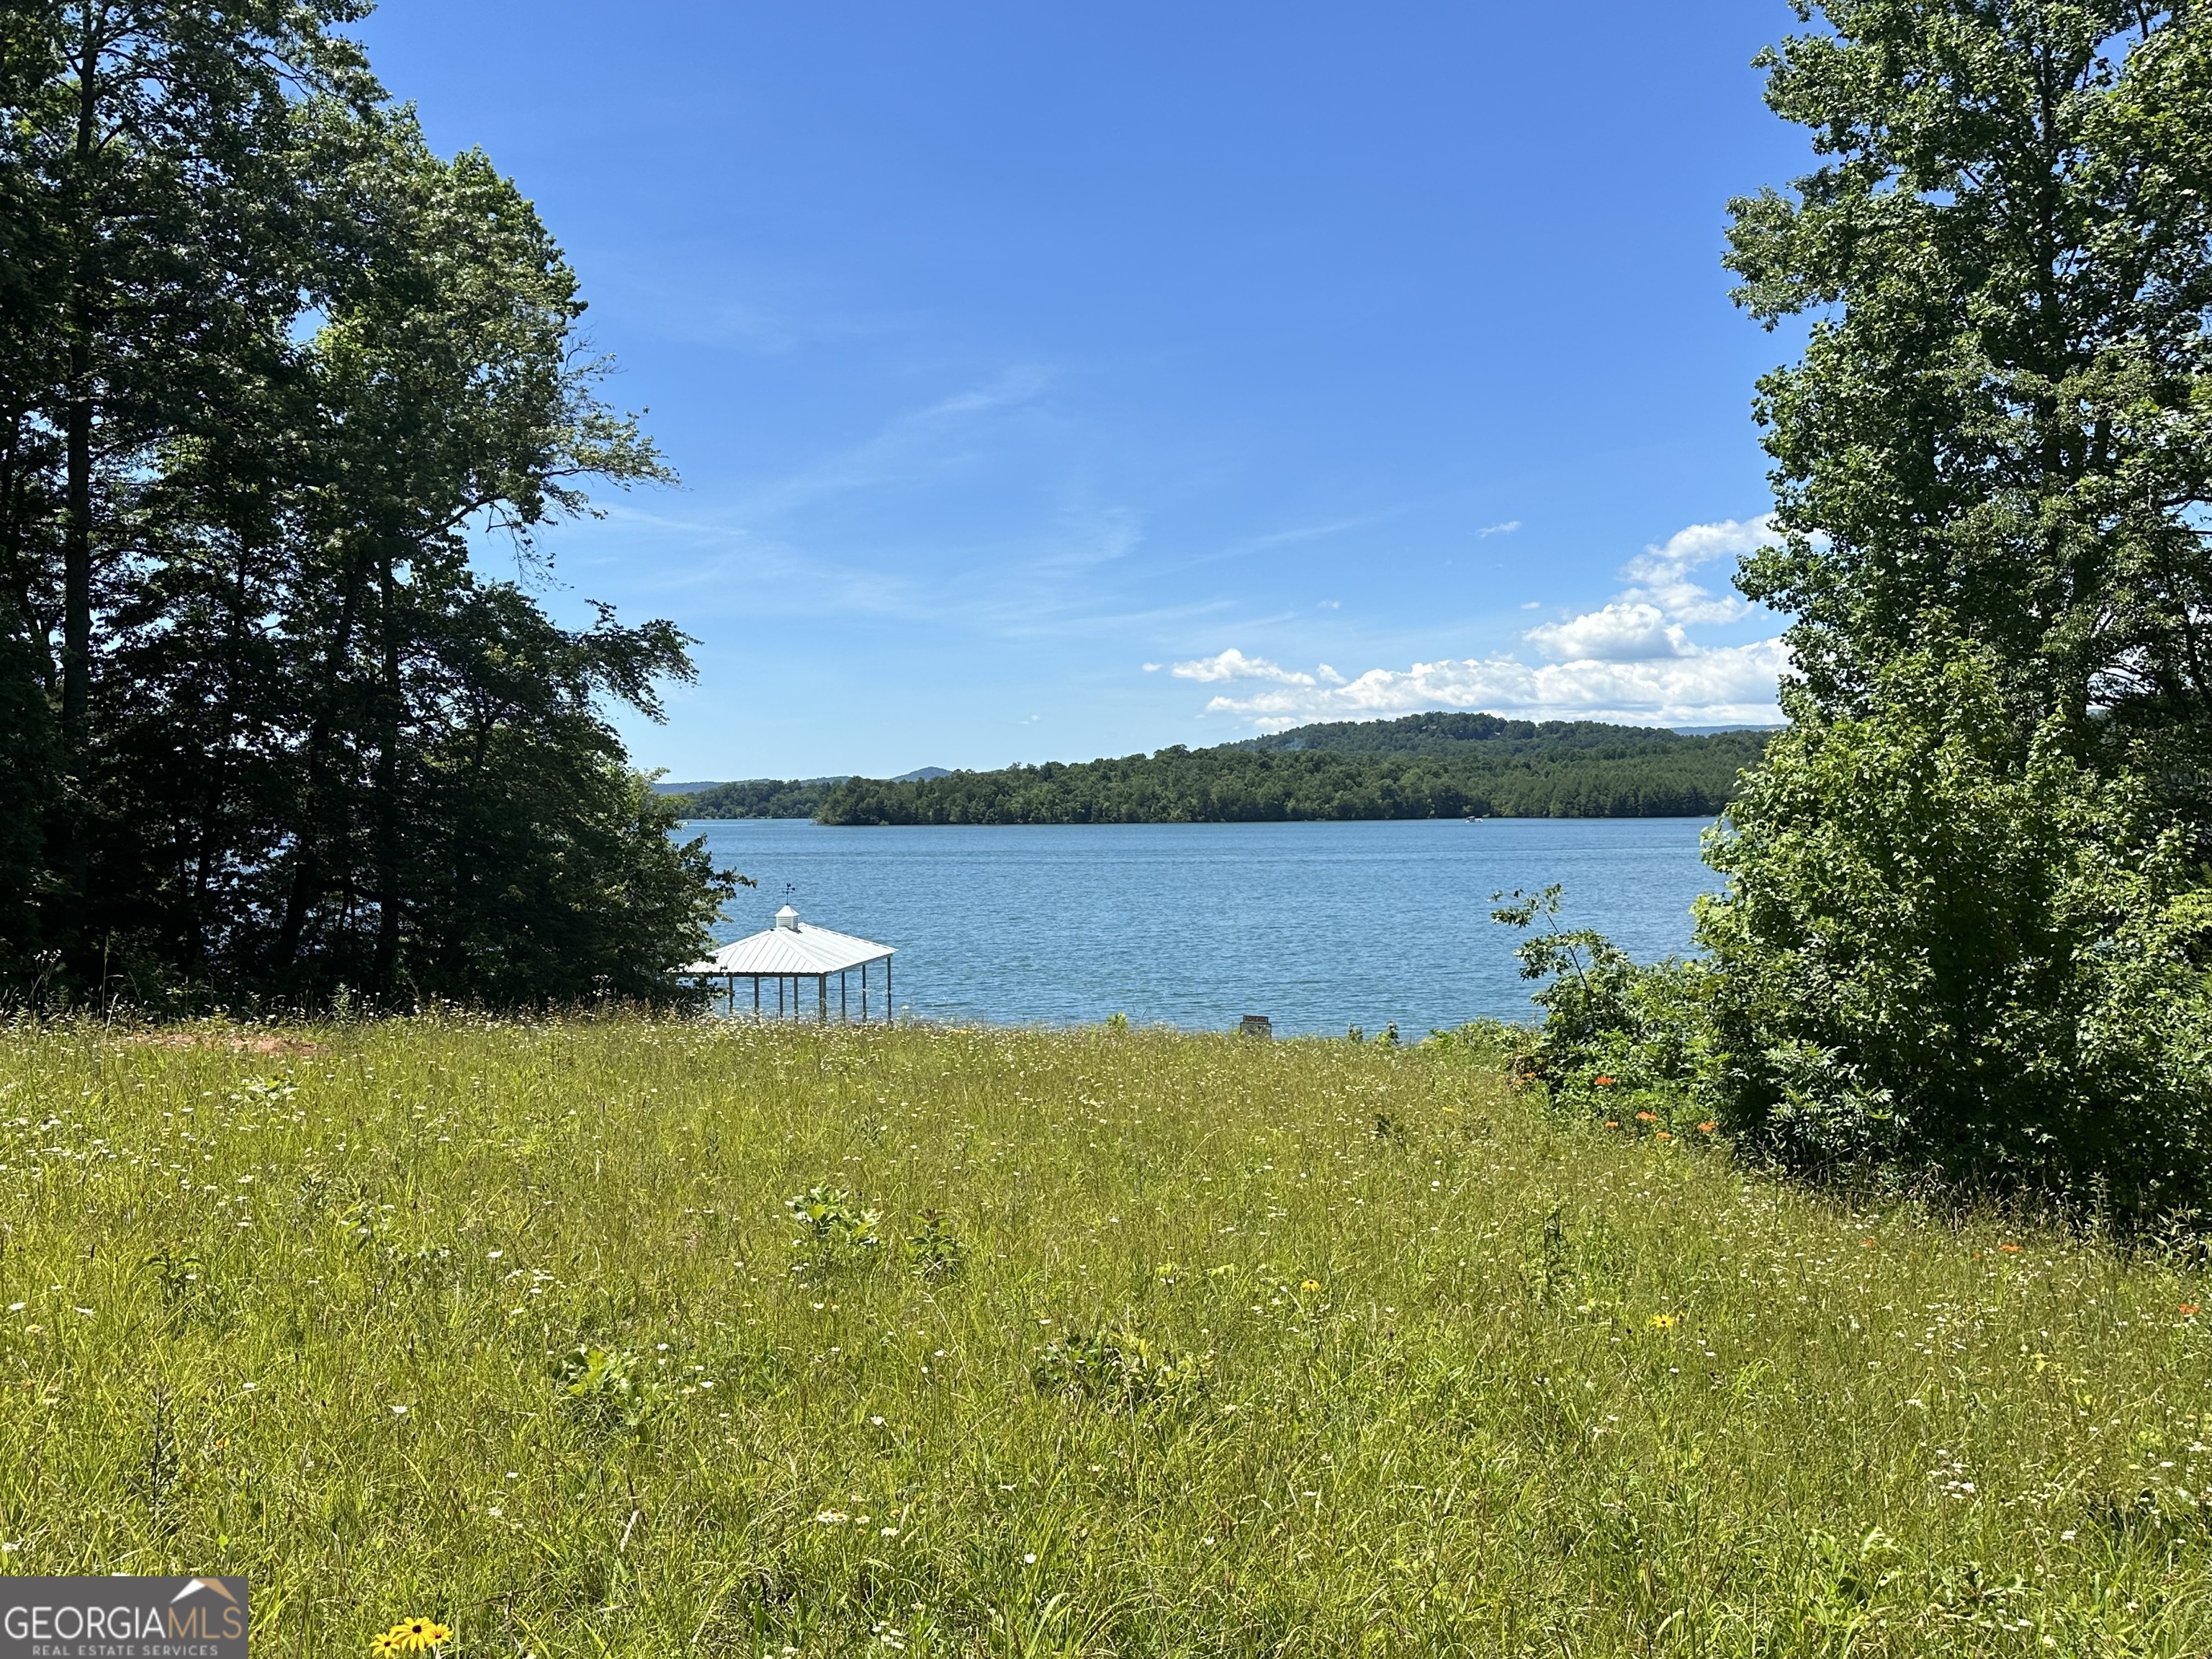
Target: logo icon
(123, 1618)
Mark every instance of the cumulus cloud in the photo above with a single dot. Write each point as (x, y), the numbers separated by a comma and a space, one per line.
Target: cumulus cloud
(1234, 665)
(1632, 658)
(1626, 630)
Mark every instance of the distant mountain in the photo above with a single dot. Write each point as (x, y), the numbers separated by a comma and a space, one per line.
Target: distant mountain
(922, 775)
(1421, 766)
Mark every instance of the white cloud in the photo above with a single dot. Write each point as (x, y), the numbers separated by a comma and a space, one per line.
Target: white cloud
(1234, 665)
(1716, 687)
(1505, 529)
(1624, 631)
(1634, 658)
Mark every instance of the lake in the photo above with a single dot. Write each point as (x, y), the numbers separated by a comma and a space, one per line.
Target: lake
(1317, 926)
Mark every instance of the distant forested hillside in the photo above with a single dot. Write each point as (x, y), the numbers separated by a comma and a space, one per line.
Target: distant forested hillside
(1426, 766)
(757, 797)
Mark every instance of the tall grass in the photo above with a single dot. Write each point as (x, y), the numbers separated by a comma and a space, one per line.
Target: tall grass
(1211, 1347)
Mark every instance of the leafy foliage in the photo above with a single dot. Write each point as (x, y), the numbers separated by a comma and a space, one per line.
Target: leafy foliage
(272, 374)
(1936, 956)
(1948, 955)
(1119, 1370)
(1965, 934)
(605, 1389)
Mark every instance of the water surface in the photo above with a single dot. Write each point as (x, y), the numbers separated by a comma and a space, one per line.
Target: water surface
(1318, 925)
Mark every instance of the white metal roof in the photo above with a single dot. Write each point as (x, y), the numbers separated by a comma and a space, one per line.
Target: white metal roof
(791, 947)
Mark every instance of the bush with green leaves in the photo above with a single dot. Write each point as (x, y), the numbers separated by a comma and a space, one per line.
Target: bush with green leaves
(605, 1389)
(1120, 1371)
(836, 1229)
(1951, 952)
(1942, 953)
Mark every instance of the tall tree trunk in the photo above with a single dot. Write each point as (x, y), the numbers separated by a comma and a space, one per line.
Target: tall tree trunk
(77, 537)
(388, 903)
(309, 877)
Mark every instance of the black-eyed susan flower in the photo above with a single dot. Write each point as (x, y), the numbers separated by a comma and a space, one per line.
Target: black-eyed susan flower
(1309, 1285)
(417, 1636)
(1664, 1322)
(385, 1645)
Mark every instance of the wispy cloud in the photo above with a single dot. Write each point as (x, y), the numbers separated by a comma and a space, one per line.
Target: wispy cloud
(1634, 658)
(1505, 529)
(919, 446)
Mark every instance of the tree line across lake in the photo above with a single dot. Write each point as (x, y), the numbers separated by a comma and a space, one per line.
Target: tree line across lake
(1424, 766)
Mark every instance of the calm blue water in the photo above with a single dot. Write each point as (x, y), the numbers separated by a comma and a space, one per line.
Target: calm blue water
(1318, 925)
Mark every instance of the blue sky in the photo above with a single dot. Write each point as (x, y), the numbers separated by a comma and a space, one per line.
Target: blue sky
(1050, 381)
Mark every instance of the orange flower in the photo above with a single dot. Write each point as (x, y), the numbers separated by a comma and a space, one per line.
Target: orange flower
(1662, 1135)
(2188, 1310)
(1868, 1243)
(1603, 1082)
(2009, 1249)
(1708, 1126)
(1612, 1124)
(1647, 1117)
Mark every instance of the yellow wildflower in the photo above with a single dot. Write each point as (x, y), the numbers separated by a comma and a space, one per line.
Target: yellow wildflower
(1664, 1322)
(415, 1636)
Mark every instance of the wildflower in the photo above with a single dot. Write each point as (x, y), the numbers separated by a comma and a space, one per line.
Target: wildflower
(1602, 1082)
(1664, 1322)
(385, 1645)
(2189, 1310)
(1662, 1135)
(832, 1517)
(1868, 1243)
(1315, 1285)
(1647, 1117)
(2009, 1249)
(1029, 1560)
(411, 1636)
(1612, 1124)
(1708, 1126)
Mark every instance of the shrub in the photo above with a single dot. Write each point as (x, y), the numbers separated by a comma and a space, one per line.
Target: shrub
(1944, 953)
(1945, 949)
(836, 1229)
(603, 1388)
(1116, 1368)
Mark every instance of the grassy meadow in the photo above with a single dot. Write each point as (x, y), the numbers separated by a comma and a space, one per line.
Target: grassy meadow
(1153, 1345)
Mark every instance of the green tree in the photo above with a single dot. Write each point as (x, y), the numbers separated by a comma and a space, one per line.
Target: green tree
(280, 385)
(1942, 952)
(1967, 928)
(152, 154)
(1998, 429)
